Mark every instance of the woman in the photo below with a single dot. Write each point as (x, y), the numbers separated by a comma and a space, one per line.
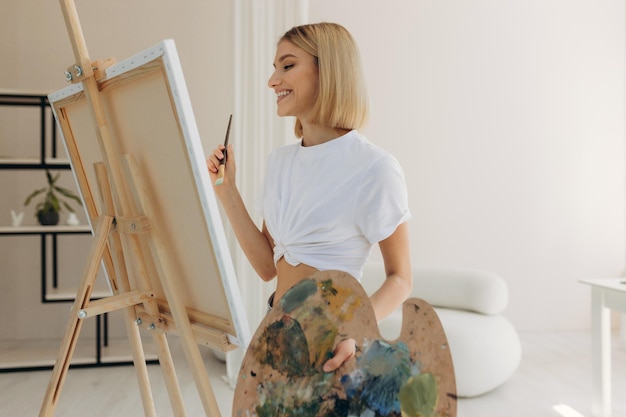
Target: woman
(331, 196)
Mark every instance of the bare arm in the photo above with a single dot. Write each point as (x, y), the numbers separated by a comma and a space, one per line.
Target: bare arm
(394, 290)
(398, 283)
(256, 244)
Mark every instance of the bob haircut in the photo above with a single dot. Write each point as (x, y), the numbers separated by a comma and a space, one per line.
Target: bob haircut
(342, 98)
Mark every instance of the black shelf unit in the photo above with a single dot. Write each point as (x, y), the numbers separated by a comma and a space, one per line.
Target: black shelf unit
(43, 232)
(47, 160)
(46, 121)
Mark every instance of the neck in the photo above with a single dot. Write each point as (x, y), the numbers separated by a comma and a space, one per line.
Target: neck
(317, 134)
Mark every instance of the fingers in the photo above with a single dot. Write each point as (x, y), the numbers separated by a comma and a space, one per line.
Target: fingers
(214, 159)
(222, 173)
(344, 351)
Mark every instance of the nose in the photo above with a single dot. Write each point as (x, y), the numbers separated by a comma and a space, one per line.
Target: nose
(273, 81)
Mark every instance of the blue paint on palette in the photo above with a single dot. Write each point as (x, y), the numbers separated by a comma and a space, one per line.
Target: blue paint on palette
(380, 373)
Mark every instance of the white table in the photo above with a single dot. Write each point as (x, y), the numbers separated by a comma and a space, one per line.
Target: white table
(606, 295)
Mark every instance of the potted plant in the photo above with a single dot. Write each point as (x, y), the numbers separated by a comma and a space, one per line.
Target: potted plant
(47, 210)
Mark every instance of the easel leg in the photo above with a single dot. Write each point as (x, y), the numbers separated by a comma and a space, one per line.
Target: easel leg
(103, 227)
(139, 361)
(190, 346)
(163, 352)
(146, 268)
(179, 313)
(169, 375)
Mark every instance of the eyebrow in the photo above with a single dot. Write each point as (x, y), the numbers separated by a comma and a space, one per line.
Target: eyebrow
(282, 58)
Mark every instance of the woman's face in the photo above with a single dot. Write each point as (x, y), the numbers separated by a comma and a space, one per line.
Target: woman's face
(295, 81)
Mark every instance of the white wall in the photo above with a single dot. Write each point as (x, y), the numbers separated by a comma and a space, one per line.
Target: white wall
(117, 28)
(508, 118)
(7, 38)
(35, 50)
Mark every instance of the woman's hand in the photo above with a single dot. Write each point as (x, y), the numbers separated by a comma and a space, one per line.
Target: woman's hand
(344, 350)
(253, 242)
(213, 164)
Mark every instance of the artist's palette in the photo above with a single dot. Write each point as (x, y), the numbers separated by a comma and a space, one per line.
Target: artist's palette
(282, 374)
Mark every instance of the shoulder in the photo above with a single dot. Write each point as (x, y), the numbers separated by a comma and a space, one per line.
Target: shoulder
(373, 157)
(283, 152)
(285, 149)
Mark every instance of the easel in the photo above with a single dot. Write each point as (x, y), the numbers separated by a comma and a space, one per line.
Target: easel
(127, 244)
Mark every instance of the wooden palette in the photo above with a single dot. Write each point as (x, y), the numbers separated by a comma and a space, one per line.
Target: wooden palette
(281, 374)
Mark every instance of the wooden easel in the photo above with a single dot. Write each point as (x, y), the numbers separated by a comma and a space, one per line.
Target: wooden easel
(126, 243)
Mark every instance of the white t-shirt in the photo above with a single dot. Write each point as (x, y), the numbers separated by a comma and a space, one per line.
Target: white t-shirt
(327, 205)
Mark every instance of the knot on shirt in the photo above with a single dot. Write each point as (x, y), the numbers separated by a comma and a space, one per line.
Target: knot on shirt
(280, 251)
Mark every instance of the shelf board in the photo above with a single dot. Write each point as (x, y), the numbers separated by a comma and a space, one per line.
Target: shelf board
(34, 163)
(56, 294)
(41, 354)
(37, 229)
(22, 98)
(20, 93)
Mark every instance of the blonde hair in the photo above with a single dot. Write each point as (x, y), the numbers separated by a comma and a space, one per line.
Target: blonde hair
(342, 98)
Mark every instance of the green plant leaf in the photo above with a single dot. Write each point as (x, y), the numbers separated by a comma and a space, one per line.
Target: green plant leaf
(67, 206)
(33, 194)
(51, 201)
(54, 202)
(68, 193)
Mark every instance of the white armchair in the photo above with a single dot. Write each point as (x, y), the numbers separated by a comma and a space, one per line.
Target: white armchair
(485, 347)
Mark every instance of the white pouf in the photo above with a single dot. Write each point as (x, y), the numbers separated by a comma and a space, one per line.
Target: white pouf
(485, 346)
(485, 350)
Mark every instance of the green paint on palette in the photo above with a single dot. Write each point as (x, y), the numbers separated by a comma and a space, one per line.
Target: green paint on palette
(271, 409)
(297, 295)
(418, 397)
(286, 348)
(327, 288)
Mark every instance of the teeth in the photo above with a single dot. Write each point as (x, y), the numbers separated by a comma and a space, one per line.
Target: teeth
(283, 93)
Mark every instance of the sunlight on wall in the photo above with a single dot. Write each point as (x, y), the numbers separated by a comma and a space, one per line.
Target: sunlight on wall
(566, 411)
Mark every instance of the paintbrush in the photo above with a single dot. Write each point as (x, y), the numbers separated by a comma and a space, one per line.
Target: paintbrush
(222, 167)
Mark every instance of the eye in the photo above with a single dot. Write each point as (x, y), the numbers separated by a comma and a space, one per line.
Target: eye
(287, 67)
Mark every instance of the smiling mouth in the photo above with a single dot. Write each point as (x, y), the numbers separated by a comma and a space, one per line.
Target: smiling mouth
(282, 94)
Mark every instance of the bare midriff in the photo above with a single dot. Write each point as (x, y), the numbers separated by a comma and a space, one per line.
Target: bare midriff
(288, 275)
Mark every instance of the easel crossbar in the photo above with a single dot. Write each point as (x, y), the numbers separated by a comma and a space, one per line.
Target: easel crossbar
(114, 303)
(203, 335)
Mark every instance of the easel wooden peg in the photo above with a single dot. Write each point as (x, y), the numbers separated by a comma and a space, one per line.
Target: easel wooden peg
(134, 225)
(99, 67)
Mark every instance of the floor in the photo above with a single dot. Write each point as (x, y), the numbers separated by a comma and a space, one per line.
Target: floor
(553, 380)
